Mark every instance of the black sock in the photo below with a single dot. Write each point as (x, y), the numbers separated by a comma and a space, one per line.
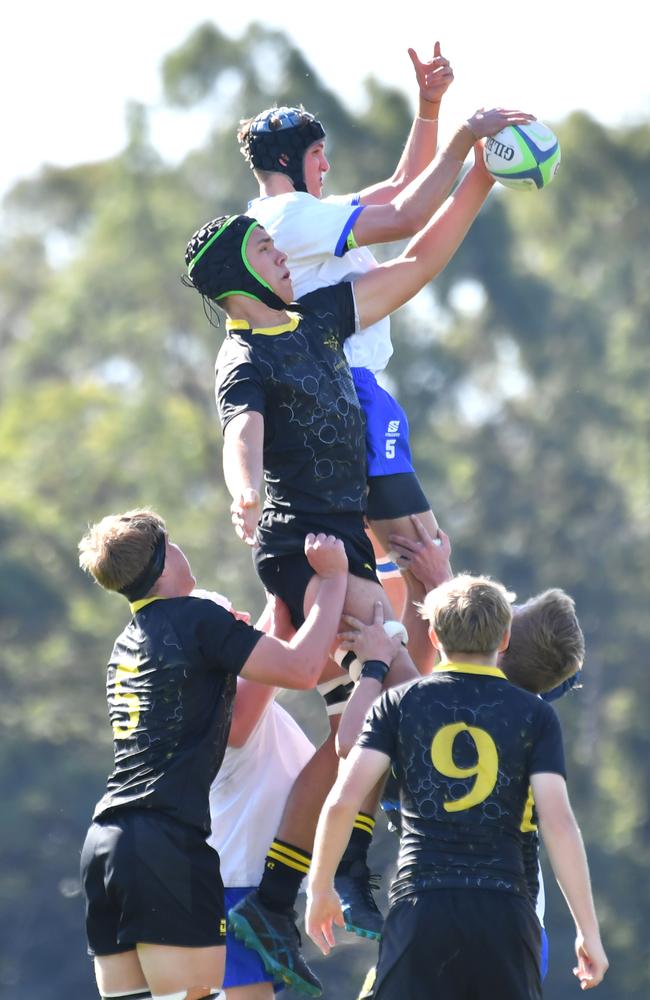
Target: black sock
(284, 869)
(358, 844)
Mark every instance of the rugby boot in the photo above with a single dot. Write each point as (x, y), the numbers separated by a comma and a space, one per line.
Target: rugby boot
(361, 914)
(276, 939)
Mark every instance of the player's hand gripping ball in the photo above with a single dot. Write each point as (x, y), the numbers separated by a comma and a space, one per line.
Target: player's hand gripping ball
(524, 157)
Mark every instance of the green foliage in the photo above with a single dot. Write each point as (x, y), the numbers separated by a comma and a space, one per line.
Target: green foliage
(530, 422)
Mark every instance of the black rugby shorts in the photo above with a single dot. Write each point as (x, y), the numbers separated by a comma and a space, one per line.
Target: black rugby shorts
(282, 565)
(150, 880)
(395, 496)
(449, 943)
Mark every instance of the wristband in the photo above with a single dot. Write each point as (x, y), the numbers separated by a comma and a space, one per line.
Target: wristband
(376, 669)
(421, 118)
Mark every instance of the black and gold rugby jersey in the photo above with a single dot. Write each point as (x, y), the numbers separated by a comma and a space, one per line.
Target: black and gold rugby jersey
(170, 687)
(298, 378)
(464, 742)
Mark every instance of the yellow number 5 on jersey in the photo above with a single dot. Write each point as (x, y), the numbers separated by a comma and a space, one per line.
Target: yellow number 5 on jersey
(121, 697)
(485, 770)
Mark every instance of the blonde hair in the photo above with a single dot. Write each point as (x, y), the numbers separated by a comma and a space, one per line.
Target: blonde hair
(117, 549)
(470, 614)
(547, 645)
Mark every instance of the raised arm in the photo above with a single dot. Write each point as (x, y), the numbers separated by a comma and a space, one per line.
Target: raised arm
(243, 444)
(298, 663)
(387, 287)
(411, 209)
(566, 852)
(433, 79)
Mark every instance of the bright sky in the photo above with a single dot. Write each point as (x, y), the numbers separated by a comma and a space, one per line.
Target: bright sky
(68, 68)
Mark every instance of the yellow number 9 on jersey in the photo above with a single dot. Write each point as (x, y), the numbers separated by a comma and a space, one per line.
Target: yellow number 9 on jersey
(485, 770)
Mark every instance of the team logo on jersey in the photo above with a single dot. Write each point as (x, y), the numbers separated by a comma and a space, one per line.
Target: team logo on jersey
(393, 427)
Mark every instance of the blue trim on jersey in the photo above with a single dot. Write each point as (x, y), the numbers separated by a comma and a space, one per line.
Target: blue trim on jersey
(341, 247)
(243, 965)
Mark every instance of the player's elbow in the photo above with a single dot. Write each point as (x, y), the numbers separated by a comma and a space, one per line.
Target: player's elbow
(344, 744)
(305, 671)
(558, 823)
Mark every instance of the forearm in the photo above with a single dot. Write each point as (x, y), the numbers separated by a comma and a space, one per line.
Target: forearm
(566, 852)
(436, 244)
(359, 703)
(419, 151)
(319, 630)
(332, 836)
(424, 195)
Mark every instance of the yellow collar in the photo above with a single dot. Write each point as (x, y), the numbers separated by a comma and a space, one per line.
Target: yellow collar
(138, 605)
(265, 331)
(469, 668)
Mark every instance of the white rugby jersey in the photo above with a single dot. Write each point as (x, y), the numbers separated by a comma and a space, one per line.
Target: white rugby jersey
(248, 795)
(313, 233)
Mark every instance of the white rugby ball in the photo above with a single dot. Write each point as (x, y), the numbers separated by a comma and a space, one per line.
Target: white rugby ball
(524, 157)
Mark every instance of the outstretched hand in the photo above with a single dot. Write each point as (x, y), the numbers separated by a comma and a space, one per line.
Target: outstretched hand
(485, 123)
(245, 513)
(433, 77)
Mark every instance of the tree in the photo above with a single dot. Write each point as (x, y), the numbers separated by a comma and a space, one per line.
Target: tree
(524, 370)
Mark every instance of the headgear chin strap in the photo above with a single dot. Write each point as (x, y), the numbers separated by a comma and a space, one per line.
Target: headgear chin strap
(145, 580)
(277, 140)
(218, 266)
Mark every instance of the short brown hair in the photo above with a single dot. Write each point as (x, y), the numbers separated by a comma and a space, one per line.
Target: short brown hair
(470, 614)
(546, 643)
(117, 549)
